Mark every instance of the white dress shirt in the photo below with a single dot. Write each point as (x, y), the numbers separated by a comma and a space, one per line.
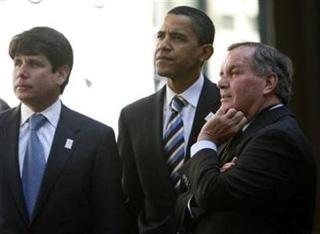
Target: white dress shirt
(45, 132)
(191, 95)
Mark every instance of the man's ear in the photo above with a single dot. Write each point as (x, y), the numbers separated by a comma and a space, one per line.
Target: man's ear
(63, 73)
(271, 83)
(206, 52)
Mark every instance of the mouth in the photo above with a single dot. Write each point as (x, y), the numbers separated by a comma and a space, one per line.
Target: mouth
(22, 87)
(164, 58)
(225, 97)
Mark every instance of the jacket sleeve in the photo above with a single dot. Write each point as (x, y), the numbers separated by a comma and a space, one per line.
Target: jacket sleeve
(130, 180)
(107, 196)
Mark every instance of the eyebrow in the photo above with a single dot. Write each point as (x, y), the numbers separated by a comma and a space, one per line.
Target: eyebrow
(174, 33)
(233, 66)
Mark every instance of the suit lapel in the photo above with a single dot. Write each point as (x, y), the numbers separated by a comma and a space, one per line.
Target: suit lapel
(59, 155)
(10, 139)
(267, 117)
(158, 144)
(227, 151)
(158, 123)
(264, 118)
(209, 101)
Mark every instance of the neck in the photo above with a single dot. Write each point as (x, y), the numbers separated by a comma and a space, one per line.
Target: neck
(179, 85)
(268, 103)
(40, 106)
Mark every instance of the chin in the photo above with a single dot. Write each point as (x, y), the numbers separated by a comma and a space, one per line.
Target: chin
(164, 73)
(227, 105)
(22, 97)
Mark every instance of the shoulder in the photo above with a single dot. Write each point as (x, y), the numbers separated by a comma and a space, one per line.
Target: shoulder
(144, 104)
(280, 121)
(79, 120)
(210, 95)
(287, 128)
(210, 86)
(9, 114)
(284, 134)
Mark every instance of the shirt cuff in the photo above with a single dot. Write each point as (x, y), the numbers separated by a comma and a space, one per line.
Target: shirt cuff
(203, 144)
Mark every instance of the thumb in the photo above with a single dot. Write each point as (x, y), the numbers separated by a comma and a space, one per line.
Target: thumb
(234, 160)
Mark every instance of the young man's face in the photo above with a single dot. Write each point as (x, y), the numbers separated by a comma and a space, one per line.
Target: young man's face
(34, 82)
(177, 53)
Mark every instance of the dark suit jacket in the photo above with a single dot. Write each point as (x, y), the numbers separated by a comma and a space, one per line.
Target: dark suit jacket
(270, 190)
(150, 195)
(81, 187)
(3, 105)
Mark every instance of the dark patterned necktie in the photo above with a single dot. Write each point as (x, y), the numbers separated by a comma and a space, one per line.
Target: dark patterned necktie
(226, 155)
(174, 140)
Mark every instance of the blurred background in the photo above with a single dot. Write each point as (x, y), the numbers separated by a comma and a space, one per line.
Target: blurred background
(113, 42)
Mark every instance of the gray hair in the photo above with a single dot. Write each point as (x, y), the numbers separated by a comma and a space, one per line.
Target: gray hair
(267, 59)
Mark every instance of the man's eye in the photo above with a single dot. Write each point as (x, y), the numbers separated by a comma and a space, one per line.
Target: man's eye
(160, 35)
(179, 38)
(35, 64)
(17, 63)
(235, 72)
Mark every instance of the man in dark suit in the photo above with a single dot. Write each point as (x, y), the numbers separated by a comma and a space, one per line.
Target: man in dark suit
(3, 105)
(76, 186)
(269, 183)
(184, 44)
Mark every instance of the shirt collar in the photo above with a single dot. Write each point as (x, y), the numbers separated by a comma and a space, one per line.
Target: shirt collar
(191, 95)
(52, 113)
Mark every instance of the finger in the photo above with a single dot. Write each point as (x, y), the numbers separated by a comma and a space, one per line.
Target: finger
(221, 111)
(238, 117)
(242, 122)
(227, 166)
(234, 160)
(238, 120)
(231, 113)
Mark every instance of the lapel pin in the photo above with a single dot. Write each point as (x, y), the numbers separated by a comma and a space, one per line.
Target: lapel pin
(210, 115)
(68, 144)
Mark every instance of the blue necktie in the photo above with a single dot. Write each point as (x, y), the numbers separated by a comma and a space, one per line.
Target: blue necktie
(34, 163)
(174, 140)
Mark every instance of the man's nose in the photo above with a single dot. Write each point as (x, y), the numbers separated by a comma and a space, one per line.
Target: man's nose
(164, 44)
(22, 71)
(223, 82)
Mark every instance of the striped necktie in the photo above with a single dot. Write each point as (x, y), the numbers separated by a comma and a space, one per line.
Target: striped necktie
(174, 144)
(34, 164)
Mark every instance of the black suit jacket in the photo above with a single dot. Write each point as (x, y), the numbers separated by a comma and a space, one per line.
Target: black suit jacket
(270, 190)
(150, 195)
(81, 187)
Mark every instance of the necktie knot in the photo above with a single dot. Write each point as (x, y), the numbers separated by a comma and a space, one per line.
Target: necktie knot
(36, 121)
(177, 103)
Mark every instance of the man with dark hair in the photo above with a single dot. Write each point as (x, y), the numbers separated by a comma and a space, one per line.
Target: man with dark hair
(155, 133)
(50, 43)
(200, 23)
(267, 182)
(60, 170)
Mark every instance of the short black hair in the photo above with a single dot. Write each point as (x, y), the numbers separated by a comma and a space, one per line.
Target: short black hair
(267, 59)
(47, 41)
(202, 25)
